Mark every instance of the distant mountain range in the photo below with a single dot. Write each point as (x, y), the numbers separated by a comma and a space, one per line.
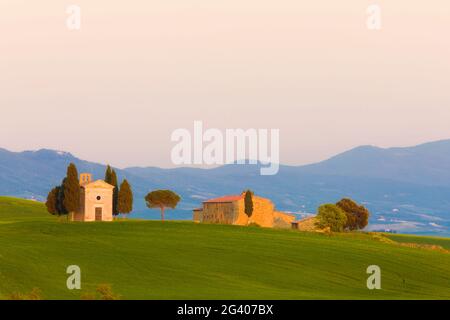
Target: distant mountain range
(406, 189)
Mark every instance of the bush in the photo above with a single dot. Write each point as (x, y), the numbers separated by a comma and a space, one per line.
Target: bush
(106, 293)
(34, 294)
(331, 216)
(357, 216)
(88, 296)
(103, 292)
(254, 224)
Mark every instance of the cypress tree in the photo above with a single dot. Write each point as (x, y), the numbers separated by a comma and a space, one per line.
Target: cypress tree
(248, 203)
(108, 175)
(60, 199)
(115, 192)
(51, 202)
(71, 187)
(125, 203)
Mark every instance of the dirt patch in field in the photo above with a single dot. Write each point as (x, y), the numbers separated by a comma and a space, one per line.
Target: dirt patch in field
(434, 247)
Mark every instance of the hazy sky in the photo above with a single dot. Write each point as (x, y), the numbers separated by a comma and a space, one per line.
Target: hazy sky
(137, 70)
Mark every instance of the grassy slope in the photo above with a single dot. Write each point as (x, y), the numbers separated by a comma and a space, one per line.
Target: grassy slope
(182, 260)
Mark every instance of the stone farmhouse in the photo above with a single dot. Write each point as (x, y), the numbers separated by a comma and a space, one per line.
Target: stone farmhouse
(230, 210)
(96, 200)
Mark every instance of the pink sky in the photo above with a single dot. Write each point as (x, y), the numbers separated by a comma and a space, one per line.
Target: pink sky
(137, 70)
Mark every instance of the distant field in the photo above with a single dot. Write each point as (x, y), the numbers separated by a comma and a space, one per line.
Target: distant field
(183, 260)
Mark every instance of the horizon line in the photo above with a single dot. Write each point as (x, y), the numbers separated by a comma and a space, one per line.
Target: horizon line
(211, 167)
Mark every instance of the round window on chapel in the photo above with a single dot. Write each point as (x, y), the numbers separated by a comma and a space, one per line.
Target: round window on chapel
(99, 198)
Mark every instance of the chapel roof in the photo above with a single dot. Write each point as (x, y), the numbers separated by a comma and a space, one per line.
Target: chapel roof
(99, 184)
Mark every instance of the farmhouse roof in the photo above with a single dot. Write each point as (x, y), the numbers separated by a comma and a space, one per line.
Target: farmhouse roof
(223, 199)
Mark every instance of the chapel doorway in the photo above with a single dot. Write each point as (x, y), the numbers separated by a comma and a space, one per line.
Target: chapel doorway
(98, 214)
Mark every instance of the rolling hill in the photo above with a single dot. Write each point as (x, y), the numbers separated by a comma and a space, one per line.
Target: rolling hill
(425, 164)
(407, 189)
(183, 260)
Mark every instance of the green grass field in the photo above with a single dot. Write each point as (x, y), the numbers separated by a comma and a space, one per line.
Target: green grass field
(183, 260)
